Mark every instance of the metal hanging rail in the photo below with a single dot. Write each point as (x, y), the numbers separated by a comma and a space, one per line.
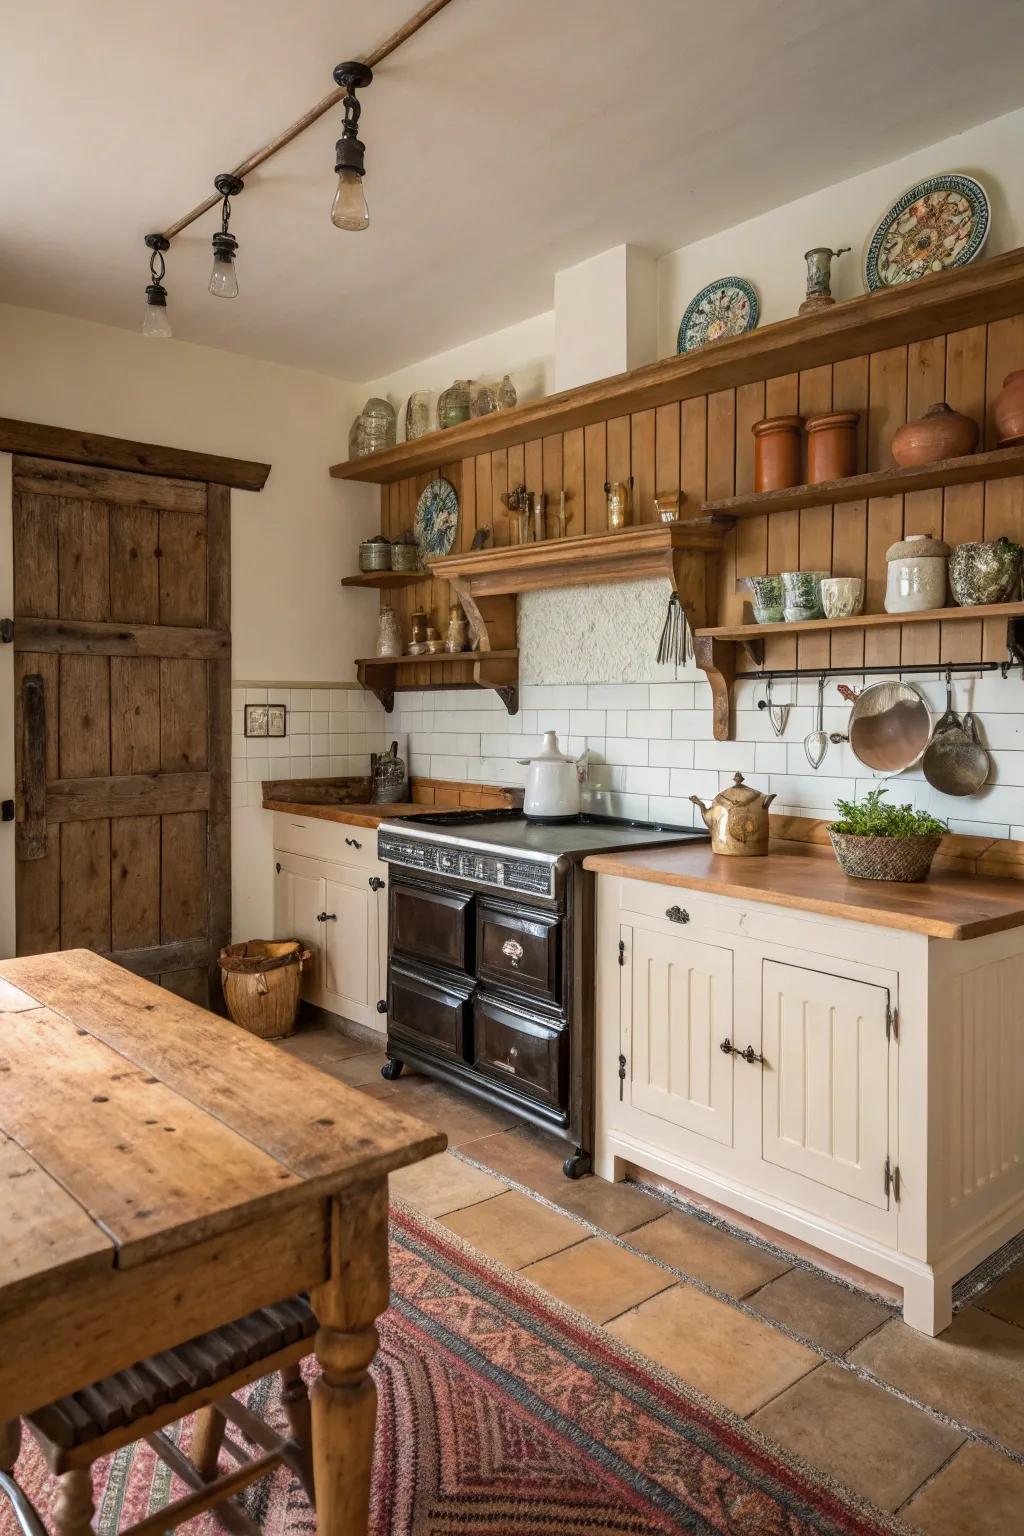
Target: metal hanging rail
(317, 111)
(938, 668)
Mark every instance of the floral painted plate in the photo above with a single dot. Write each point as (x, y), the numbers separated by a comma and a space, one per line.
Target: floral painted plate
(727, 307)
(437, 519)
(938, 224)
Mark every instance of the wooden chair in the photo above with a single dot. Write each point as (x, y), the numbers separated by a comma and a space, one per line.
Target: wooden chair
(198, 1377)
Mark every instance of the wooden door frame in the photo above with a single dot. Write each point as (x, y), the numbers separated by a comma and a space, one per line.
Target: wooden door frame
(220, 475)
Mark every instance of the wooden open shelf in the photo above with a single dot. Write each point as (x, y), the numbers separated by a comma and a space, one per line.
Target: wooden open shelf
(383, 579)
(385, 676)
(999, 464)
(744, 632)
(950, 301)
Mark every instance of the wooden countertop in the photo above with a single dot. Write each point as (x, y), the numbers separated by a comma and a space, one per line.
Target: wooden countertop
(353, 815)
(946, 906)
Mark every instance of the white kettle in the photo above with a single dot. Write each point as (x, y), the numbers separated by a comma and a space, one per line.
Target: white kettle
(552, 784)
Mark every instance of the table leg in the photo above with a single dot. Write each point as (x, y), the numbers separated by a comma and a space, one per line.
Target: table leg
(344, 1397)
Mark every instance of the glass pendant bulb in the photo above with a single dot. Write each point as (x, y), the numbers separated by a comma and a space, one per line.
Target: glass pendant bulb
(349, 210)
(224, 279)
(155, 319)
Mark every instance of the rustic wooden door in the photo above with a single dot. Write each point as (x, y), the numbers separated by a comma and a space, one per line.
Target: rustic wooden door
(123, 703)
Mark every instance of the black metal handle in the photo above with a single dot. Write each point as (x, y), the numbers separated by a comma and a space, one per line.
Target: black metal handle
(277, 868)
(677, 915)
(352, 842)
(382, 1005)
(327, 917)
(376, 884)
(733, 1050)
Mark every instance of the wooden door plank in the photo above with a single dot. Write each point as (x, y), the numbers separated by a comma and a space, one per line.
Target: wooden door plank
(85, 885)
(192, 985)
(134, 882)
(135, 713)
(83, 716)
(70, 637)
(35, 567)
(183, 716)
(105, 1136)
(47, 1235)
(30, 437)
(218, 819)
(116, 487)
(319, 1128)
(156, 960)
(135, 794)
(183, 596)
(182, 876)
(83, 544)
(134, 565)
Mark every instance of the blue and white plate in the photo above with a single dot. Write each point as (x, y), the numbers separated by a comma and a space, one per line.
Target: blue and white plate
(727, 307)
(437, 519)
(937, 224)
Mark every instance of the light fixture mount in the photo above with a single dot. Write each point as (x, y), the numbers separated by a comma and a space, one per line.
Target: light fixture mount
(353, 75)
(156, 293)
(350, 149)
(228, 185)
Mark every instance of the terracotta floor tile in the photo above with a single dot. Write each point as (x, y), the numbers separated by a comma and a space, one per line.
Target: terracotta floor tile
(734, 1358)
(598, 1278)
(534, 1158)
(514, 1229)
(831, 1315)
(317, 1044)
(1006, 1299)
(443, 1184)
(728, 1263)
(981, 1493)
(461, 1117)
(357, 1070)
(848, 1428)
(974, 1371)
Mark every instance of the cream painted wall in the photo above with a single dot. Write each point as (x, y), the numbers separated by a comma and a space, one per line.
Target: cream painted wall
(769, 249)
(606, 316)
(291, 622)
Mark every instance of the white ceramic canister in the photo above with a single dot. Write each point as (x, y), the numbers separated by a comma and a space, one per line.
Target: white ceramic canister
(552, 784)
(916, 574)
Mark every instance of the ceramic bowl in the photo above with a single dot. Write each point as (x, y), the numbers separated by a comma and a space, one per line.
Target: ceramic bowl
(842, 597)
(801, 595)
(766, 598)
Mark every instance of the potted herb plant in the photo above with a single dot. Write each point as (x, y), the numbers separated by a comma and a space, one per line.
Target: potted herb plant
(873, 841)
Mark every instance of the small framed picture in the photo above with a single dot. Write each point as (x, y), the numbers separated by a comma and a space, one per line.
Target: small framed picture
(266, 720)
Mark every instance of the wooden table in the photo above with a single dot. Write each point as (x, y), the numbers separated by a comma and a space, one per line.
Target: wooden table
(163, 1172)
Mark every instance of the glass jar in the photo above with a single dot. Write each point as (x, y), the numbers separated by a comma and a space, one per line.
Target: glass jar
(453, 404)
(389, 633)
(417, 415)
(380, 425)
(457, 638)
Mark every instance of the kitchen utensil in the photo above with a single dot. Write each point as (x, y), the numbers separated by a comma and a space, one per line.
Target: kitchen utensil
(778, 714)
(831, 446)
(890, 725)
(842, 597)
(389, 782)
(816, 742)
(777, 444)
(941, 433)
(737, 818)
(801, 595)
(676, 643)
(985, 573)
(552, 784)
(915, 574)
(1009, 409)
(955, 761)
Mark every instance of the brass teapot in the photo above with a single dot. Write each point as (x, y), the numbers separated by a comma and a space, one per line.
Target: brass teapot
(737, 818)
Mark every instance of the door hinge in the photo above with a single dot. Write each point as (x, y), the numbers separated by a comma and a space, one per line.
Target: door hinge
(622, 1076)
(892, 1023)
(6, 631)
(6, 810)
(622, 951)
(277, 868)
(891, 1180)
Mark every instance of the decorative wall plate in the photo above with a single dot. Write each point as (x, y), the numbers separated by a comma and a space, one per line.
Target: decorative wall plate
(937, 224)
(727, 307)
(437, 519)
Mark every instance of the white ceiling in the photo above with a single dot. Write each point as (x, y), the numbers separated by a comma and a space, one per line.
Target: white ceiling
(509, 139)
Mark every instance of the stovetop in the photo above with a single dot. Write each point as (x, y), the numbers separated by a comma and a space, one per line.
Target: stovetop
(504, 849)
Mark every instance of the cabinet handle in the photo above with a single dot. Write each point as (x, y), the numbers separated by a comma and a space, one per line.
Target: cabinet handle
(352, 842)
(277, 867)
(327, 917)
(677, 915)
(733, 1050)
(382, 1005)
(376, 884)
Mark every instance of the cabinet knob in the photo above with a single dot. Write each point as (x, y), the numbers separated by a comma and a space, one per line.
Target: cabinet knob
(327, 917)
(382, 1005)
(376, 884)
(677, 915)
(352, 842)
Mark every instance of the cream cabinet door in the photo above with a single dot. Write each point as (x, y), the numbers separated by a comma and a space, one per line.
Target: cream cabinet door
(677, 1010)
(825, 1079)
(351, 980)
(298, 898)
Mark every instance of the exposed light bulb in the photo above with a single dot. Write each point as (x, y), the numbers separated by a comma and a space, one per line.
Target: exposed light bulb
(155, 319)
(224, 279)
(349, 210)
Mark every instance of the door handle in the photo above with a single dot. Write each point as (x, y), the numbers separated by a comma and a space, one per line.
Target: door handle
(376, 884)
(351, 842)
(327, 917)
(733, 1050)
(30, 835)
(677, 915)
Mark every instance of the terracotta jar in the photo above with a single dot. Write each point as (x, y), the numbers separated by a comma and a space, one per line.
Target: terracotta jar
(1009, 410)
(777, 453)
(941, 433)
(831, 446)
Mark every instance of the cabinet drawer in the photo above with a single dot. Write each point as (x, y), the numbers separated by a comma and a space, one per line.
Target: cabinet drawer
(691, 911)
(336, 841)
(514, 1047)
(431, 924)
(431, 1011)
(519, 950)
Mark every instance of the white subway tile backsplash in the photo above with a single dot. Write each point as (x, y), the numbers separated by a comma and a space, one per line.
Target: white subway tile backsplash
(692, 724)
(671, 754)
(616, 722)
(649, 722)
(648, 781)
(583, 722)
(690, 781)
(671, 695)
(627, 751)
(618, 696)
(736, 756)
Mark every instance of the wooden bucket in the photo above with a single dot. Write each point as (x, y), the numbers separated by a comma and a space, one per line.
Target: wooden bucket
(261, 981)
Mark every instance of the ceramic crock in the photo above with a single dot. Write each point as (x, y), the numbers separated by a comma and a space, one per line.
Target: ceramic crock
(915, 574)
(985, 573)
(552, 784)
(1009, 409)
(831, 446)
(941, 433)
(777, 441)
(737, 818)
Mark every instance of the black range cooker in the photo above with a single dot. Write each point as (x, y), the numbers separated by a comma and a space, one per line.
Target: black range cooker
(490, 957)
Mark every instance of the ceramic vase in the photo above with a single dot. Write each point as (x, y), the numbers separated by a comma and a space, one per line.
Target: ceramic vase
(941, 433)
(985, 573)
(389, 633)
(831, 446)
(1009, 410)
(777, 443)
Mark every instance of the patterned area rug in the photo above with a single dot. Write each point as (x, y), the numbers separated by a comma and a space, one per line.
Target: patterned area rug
(502, 1411)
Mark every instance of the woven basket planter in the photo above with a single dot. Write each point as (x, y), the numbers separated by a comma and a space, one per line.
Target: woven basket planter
(885, 858)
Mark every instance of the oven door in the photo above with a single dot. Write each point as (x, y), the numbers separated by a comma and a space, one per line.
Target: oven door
(526, 1054)
(519, 949)
(430, 922)
(430, 1011)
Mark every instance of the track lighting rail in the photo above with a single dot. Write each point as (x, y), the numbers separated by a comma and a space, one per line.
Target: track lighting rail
(313, 115)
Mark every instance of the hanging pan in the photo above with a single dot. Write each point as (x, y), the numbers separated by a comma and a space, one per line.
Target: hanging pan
(890, 726)
(955, 763)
